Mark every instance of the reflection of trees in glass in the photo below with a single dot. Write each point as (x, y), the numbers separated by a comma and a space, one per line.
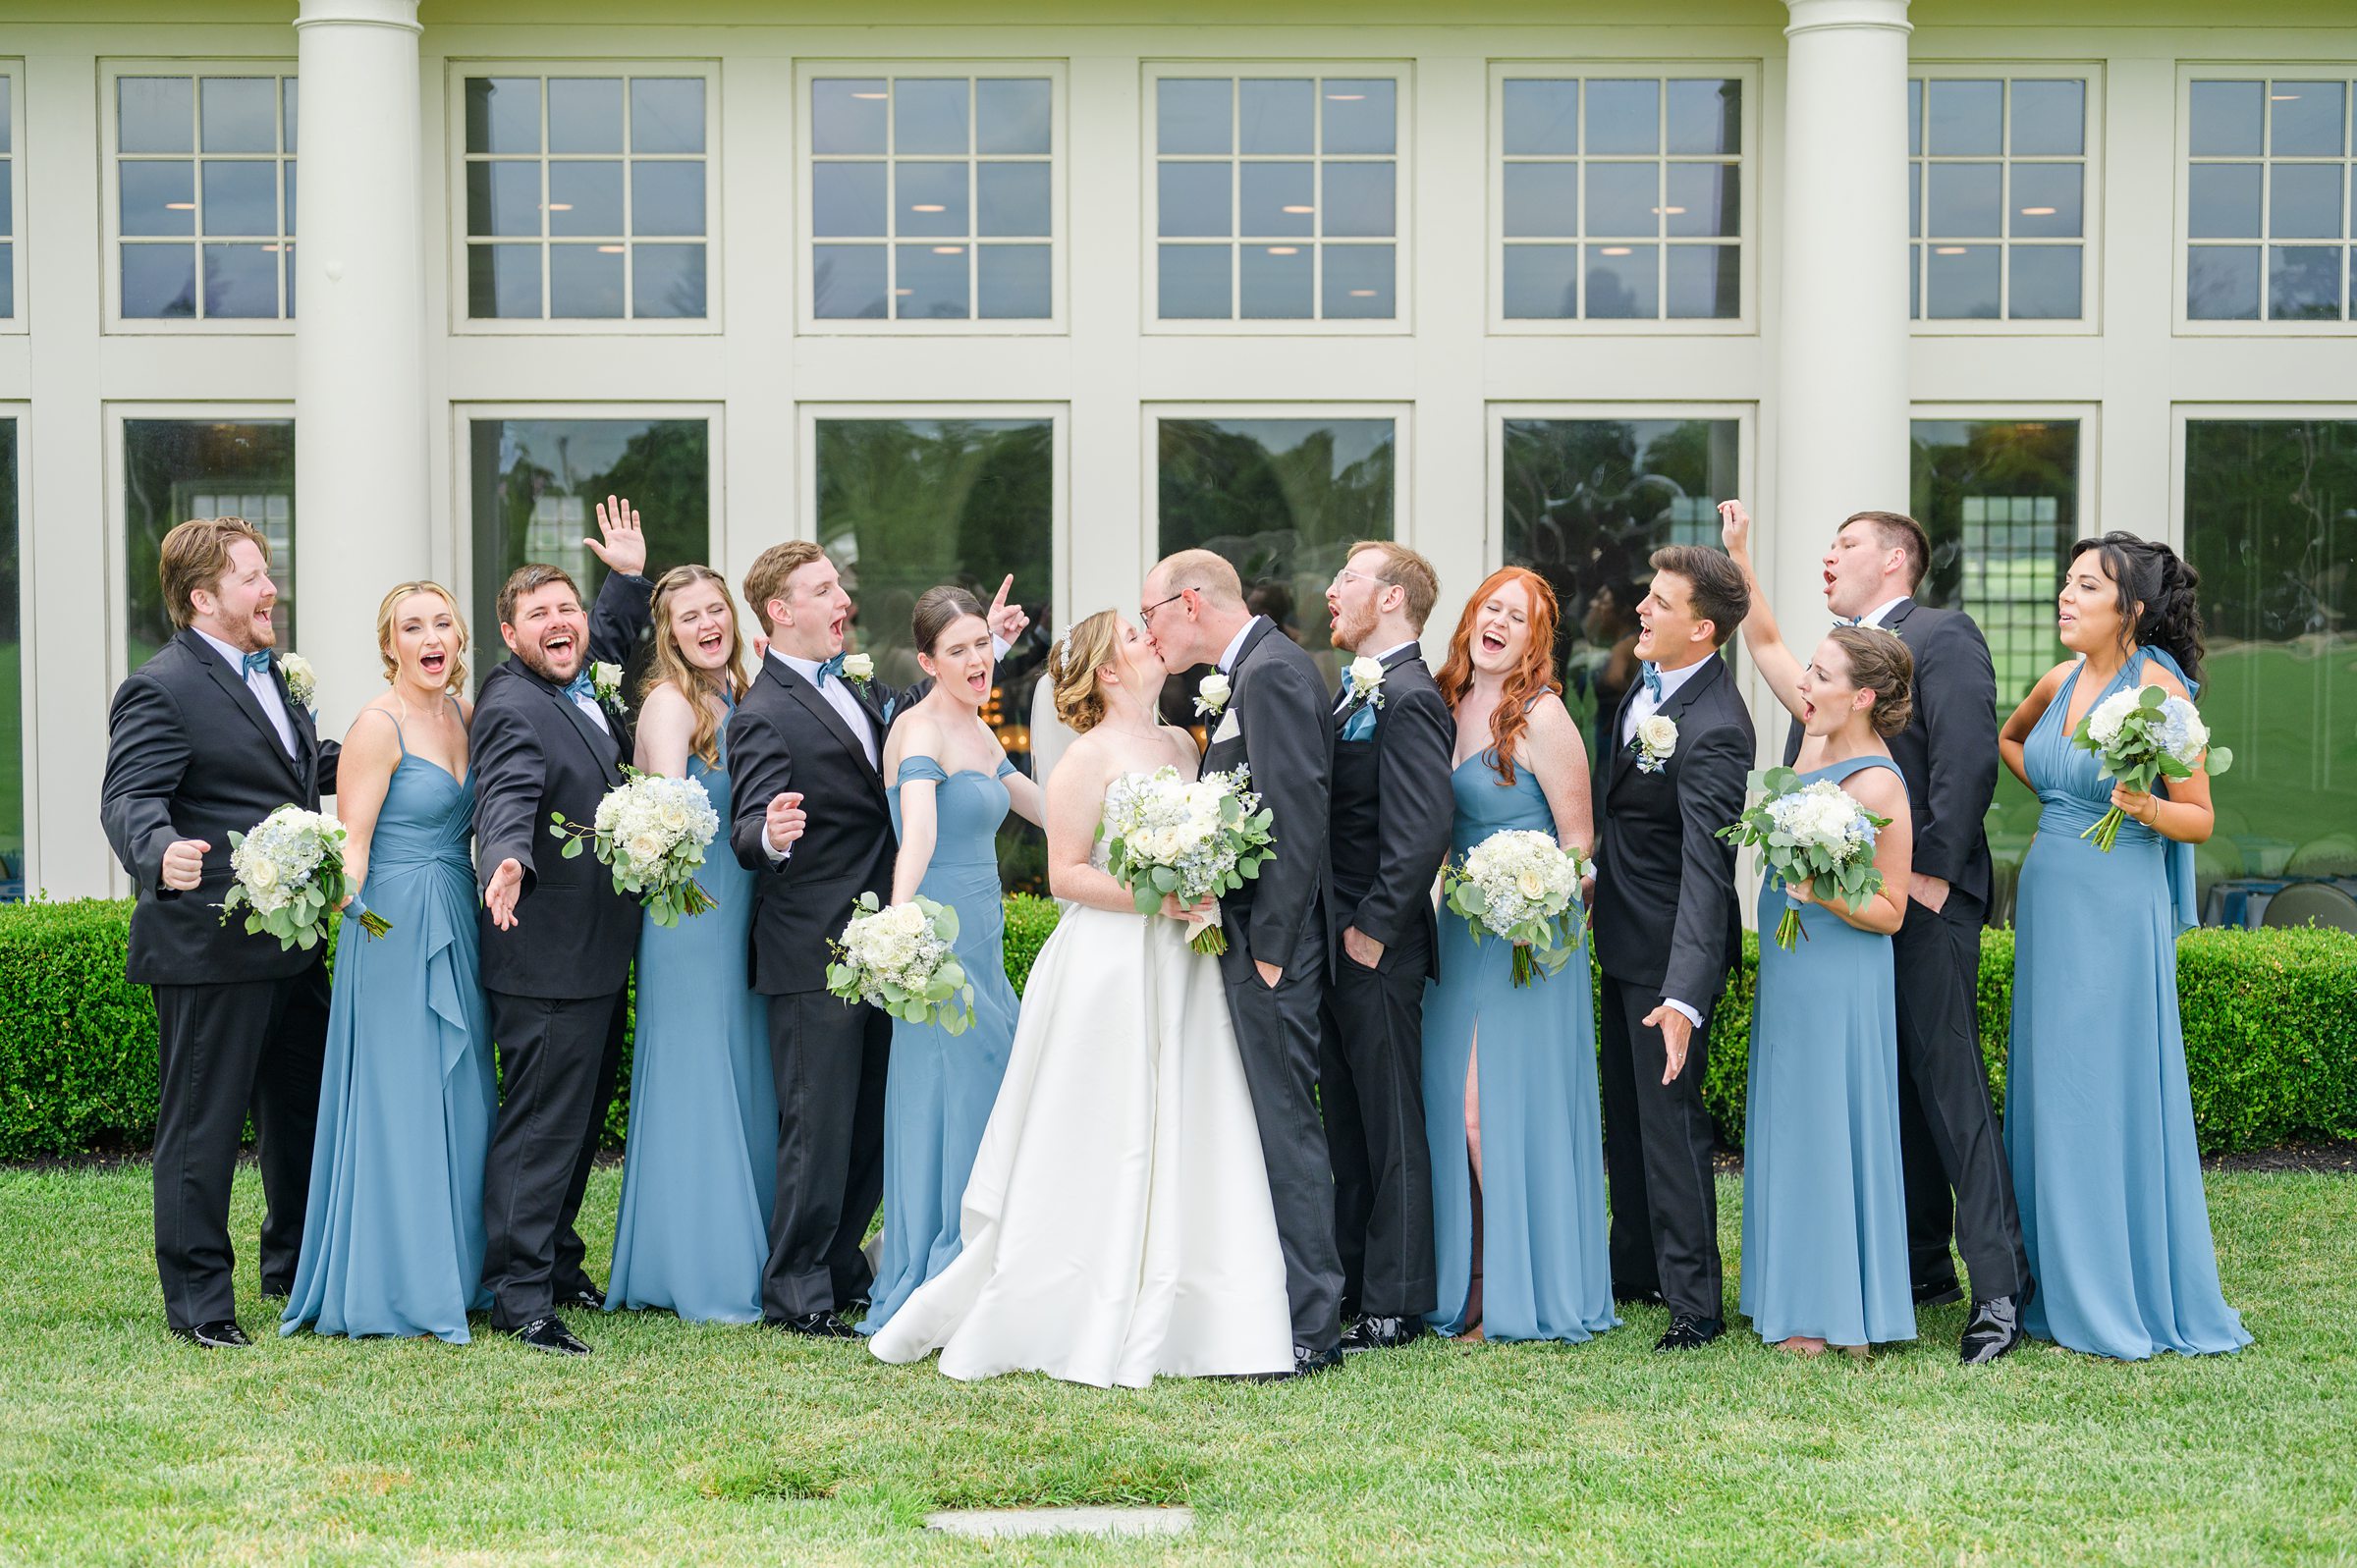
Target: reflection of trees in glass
(1586, 503)
(12, 700)
(2271, 524)
(166, 463)
(905, 505)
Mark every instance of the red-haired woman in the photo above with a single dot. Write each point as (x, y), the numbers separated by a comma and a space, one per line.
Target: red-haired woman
(1509, 1072)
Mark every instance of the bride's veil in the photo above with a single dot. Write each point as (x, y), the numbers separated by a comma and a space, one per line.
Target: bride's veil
(1050, 737)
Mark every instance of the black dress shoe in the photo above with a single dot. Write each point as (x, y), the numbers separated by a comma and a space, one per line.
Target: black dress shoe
(549, 1334)
(1380, 1334)
(1938, 1295)
(813, 1326)
(584, 1294)
(1689, 1332)
(1994, 1328)
(222, 1336)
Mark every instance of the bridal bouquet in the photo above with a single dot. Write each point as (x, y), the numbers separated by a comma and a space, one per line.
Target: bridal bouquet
(1189, 838)
(290, 873)
(1524, 887)
(1818, 836)
(2140, 737)
(904, 959)
(652, 830)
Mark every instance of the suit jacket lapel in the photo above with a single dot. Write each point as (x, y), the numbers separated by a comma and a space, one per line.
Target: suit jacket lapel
(604, 744)
(230, 681)
(814, 703)
(1615, 749)
(1343, 711)
(298, 719)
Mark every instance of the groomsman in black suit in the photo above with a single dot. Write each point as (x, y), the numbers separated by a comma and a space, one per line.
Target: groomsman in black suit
(207, 739)
(810, 818)
(1947, 1132)
(1392, 814)
(1668, 931)
(1276, 718)
(557, 940)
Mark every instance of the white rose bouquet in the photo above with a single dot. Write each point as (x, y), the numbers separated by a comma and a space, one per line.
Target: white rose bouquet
(1817, 835)
(904, 959)
(1524, 887)
(2143, 735)
(1191, 840)
(290, 873)
(652, 831)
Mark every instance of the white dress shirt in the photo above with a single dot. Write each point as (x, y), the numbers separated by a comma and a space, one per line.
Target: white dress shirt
(1228, 659)
(589, 705)
(1643, 705)
(1874, 617)
(265, 689)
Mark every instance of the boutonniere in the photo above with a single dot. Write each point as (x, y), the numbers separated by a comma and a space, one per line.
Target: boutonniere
(605, 682)
(1655, 742)
(1366, 681)
(303, 683)
(1211, 698)
(858, 668)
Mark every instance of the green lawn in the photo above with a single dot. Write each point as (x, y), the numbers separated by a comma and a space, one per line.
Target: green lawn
(682, 1444)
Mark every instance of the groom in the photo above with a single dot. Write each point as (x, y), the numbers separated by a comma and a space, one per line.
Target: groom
(1275, 718)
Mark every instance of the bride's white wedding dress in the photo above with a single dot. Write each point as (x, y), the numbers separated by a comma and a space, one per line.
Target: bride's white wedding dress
(1117, 1222)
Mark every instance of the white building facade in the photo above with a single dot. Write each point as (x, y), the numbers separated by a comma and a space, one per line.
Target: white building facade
(1051, 288)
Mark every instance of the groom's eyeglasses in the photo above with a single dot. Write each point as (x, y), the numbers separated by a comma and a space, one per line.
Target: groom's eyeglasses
(1145, 617)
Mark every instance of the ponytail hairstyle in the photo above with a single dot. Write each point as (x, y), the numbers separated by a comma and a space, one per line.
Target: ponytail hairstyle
(695, 684)
(1073, 663)
(1880, 664)
(2157, 604)
(1525, 683)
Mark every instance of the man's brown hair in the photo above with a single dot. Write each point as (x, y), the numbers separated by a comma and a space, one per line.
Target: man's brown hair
(1404, 569)
(766, 579)
(526, 578)
(196, 554)
(1895, 530)
(1719, 595)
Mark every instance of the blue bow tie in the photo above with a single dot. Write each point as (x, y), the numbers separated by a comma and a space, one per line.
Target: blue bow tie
(582, 689)
(832, 670)
(1852, 621)
(1653, 679)
(257, 663)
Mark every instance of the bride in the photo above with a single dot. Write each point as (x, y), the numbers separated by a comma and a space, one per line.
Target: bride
(1117, 1223)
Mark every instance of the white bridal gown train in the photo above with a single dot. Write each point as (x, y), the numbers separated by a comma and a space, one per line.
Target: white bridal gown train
(1117, 1223)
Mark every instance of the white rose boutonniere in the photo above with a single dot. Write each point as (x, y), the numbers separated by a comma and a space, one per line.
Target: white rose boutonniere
(858, 667)
(1366, 681)
(605, 679)
(1655, 742)
(303, 683)
(1211, 698)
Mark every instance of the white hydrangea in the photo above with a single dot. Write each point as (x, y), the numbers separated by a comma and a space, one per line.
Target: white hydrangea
(287, 873)
(1823, 817)
(904, 959)
(1189, 837)
(652, 831)
(1524, 876)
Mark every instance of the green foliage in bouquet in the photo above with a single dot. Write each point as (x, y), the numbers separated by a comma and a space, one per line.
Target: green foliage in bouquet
(914, 976)
(2156, 736)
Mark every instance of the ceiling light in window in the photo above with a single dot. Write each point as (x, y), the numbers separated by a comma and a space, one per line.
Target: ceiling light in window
(2282, 97)
(2037, 212)
(560, 206)
(1614, 250)
(609, 250)
(1673, 211)
(180, 206)
(1362, 294)
(1948, 251)
(1285, 251)
(904, 293)
(1345, 97)
(868, 94)
(1300, 209)
(949, 250)
(928, 206)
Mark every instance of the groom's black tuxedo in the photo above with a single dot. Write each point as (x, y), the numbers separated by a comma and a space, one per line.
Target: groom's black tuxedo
(1392, 811)
(242, 1022)
(1947, 1131)
(1278, 721)
(1667, 926)
(556, 982)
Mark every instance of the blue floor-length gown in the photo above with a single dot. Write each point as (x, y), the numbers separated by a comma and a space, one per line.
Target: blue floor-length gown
(700, 1171)
(1824, 1212)
(938, 1098)
(1545, 1270)
(393, 1238)
(2098, 1119)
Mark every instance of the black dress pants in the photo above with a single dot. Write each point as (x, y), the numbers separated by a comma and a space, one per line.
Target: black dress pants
(1656, 1157)
(1371, 1087)
(559, 1058)
(830, 1060)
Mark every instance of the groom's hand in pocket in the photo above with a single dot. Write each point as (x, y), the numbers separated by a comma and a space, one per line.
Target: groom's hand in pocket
(1364, 950)
(1270, 974)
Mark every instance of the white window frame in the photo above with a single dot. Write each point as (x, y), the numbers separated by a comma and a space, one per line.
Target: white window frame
(20, 320)
(1746, 416)
(2181, 414)
(2090, 320)
(2185, 325)
(110, 124)
(1151, 415)
(1747, 240)
(1401, 71)
(460, 541)
(456, 73)
(1060, 237)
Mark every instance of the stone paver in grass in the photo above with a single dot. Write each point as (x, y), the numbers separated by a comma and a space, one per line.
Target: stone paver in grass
(1009, 1522)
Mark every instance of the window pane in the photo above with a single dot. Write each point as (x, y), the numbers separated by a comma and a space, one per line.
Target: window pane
(2270, 525)
(289, 91)
(667, 198)
(1624, 199)
(930, 199)
(1624, 116)
(1193, 198)
(1914, 118)
(1279, 199)
(157, 197)
(1964, 117)
(928, 115)
(1013, 282)
(667, 280)
(1962, 283)
(2305, 118)
(1586, 502)
(584, 114)
(2223, 201)
(240, 197)
(666, 114)
(175, 469)
(2221, 283)
(1360, 200)
(584, 281)
(2304, 201)
(2042, 283)
(1962, 199)
(1278, 117)
(1703, 198)
(1542, 199)
(503, 114)
(536, 486)
(2226, 116)
(1542, 283)
(1358, 282)
(2303, 283)
(159, 282)
(155, 114)
(584, 198)
(1541, 117)
(1359, 116)
(929, 284)
(289, 168)
(847, 198)
(2046, 200)
(1193, 283)
(2050, 119)
(240, 113)
(1193, 115)
(1013, 116)
(241, 280)
(848, 282)
(12, 700)
(503, 198)
(905, 505)
(503, 281)
(1621, 283)
(1706, 116)
(847, 115)
(1275, 282)
(1012, 198)
(1706, 282)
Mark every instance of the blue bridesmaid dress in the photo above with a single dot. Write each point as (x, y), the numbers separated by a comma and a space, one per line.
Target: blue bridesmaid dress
(1544, 1273)
(393, 1238)
(938, 1097)
(700, 1171)
(1824, 1213)
(2098, 1121)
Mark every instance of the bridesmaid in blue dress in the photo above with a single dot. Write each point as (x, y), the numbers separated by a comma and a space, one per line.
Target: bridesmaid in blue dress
(952, 786)
(1509, 1072)
(392, 1237)
(699, 1169)
(2098, 1121)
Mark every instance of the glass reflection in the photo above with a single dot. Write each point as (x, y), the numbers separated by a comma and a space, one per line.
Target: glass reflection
(1192, 199)
(2307, 119)
(503, 280)
(1192, 115)
(666, 199)
(1012, 198)
(848, 115)
(1704, 283)
(239, 114)
(1624, 199)
(1277, 117)
(1962, 283)
(159, 281)
(1542, 283)
(175, 469)
(1965, 117)
(240, 281)
(2221, 283)
(1542, 199)
(2223, 201)
(1360, 117)
(155, 114)
(1962, 199)
(1281, 198)
(1705, 115)
(2303, 283)
(1358, 282)
(2304, 201)
(1012, 115)
(929, 198)
(2046, 200)
(929, 281)
(503, 198)
(667, 280)
(2226, 116)
(847, 198)
(1013, 282)
(584, 114)
(1541, 118)
(1360, 200)
(1193, 282)
(2049, 118)
(666, 114)
(848, 282)
(1703, 198)
(1276, 283)
(1624, 116)
(584, 281)
(1622, 281)
(157, 198)
(503, 114)
(583, 197)
(2042, 283)
(928, 115)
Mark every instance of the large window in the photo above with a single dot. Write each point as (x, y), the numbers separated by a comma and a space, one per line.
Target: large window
(12, 677)
(1997, 198)
(2271, 524)
(932, 198)
(587, 198)
(907, 503)
(1620, 198)
(1585, 504)
(175, 469)
(1275, 198)
(2267, 201)
(204, 196)
(538, 482)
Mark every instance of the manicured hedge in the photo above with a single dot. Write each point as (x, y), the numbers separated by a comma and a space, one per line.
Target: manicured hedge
(2271, 1030)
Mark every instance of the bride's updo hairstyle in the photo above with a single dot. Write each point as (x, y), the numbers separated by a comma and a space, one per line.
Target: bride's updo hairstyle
(1073, 663)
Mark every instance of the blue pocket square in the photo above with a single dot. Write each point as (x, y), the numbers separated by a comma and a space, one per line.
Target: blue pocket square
(1360, 725)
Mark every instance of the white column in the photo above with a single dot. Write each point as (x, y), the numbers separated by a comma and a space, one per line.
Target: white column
(1842, 379)
(361, 502)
